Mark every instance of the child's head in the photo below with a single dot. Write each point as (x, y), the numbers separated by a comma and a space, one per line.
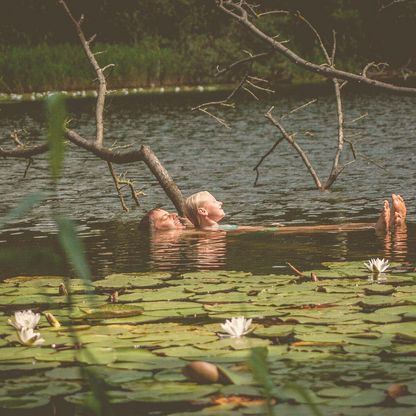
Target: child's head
(203, 209)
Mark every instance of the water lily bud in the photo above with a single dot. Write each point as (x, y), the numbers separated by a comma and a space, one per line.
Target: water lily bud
(52, 320)
(201, 372)
(62, 289)
(397, 390)
(113, 298)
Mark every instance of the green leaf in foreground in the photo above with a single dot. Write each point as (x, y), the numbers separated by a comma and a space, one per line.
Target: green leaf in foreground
(56, 133)
(73, 248)
(25, 205)
(257, 363)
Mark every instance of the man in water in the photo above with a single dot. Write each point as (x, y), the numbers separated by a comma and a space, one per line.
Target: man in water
(161, 220)
(205, 212)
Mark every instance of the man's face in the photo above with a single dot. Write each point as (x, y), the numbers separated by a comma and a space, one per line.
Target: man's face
(163, 220)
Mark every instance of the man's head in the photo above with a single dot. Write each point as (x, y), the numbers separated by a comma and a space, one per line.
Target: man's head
(203, 209)
(159, 219)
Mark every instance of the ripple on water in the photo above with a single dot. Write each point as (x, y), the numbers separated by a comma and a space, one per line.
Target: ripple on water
(199, 154)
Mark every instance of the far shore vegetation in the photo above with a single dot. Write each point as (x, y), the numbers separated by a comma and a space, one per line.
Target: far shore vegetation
(162, 43)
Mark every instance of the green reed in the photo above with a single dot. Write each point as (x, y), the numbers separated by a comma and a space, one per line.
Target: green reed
(47, 67)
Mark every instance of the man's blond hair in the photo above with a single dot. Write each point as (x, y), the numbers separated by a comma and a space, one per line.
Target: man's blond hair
(194, 202)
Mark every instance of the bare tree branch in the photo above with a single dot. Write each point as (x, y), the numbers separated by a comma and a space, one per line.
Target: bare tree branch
(226, 102)
(142, 154)
(28, 165)
(251, 93)
(102, 87)
(122, 180)
(330, 61)
(117, 185)
(95, 146)
(24, 152)
(271, 150)
(336, 170)
(301, 107)
(243, 61)
(246, 83)
(296, 146)
(236, 10)
(392, 3)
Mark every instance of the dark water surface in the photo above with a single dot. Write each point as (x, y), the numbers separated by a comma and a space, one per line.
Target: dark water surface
(201, 155)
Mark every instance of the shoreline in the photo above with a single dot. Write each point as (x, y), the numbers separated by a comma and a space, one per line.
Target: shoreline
(140, 91)
(10, 98)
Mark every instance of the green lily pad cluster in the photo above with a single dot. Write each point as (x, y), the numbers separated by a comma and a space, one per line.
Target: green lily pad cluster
(338, 343)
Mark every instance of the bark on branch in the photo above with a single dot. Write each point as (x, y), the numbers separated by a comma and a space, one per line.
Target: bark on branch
(24, 152)
(290, 139)
(142, 154)
(95, 145)
(102, 84)
(236, 9)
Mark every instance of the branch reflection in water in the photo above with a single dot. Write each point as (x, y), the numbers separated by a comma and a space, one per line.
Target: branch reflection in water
(198, 249)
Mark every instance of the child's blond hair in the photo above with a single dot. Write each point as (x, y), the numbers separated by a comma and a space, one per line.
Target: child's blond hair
(194, 202)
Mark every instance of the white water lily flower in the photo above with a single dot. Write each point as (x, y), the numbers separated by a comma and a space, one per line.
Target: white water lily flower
(28, 337)
(236, 328)
(25, 319)
(377, 265)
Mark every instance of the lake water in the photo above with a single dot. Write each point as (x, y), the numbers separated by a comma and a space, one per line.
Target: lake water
(202, 155)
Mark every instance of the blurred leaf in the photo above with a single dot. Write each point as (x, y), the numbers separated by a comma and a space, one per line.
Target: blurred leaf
(73, 247)
(257, 362)
(306, 396)
(56, 133)
(24, 206)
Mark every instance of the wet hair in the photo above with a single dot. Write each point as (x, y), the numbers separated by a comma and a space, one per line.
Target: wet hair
(194, 202)
(148, 222)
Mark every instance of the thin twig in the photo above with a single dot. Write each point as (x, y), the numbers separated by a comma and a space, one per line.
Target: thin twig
(295, 270)
(334, 47)
(15, 137)
(297, 148)
(251, 93)
(358, 118)
(236, 10)
(249, 59)
(392, 3)
(124, 181)
(226, 102)
(301, 107)
(117, 185)
(28, 165)
(218, 119)
(102, 86)
(271, 150)
(252, 84)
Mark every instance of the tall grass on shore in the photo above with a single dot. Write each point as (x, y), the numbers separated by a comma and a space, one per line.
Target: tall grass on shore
(46, 67)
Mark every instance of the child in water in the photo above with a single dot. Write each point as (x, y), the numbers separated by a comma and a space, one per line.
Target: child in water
(204, 211)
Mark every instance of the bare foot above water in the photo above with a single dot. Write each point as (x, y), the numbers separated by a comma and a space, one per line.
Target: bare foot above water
(383, 223)
(398, 217)
(394, 217)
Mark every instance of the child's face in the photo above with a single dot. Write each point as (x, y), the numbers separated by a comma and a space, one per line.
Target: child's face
(214, 208)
